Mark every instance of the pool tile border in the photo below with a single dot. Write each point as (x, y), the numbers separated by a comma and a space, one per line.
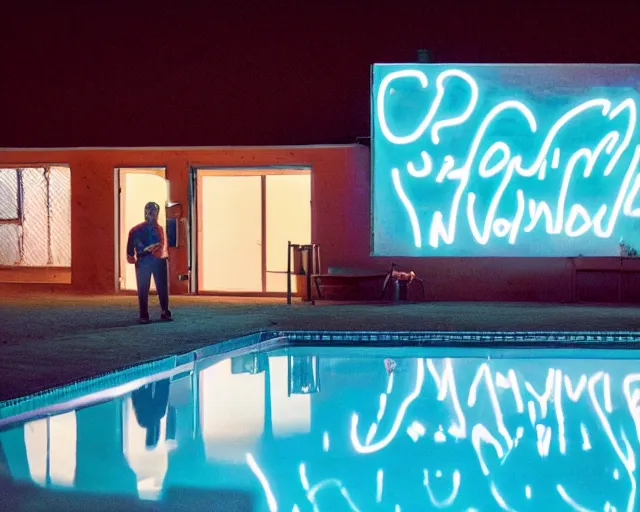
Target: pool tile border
(592, 339)
(55, 398)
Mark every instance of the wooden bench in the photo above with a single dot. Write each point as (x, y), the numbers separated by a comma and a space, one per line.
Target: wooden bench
(350, 287)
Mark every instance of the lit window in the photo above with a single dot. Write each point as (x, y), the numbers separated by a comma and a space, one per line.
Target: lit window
(35, 216)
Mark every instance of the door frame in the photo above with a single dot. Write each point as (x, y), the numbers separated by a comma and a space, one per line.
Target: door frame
(196, 257)
(120, 234)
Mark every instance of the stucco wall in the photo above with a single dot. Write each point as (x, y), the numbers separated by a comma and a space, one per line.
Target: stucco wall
(93, 233)
(490, 279)
(340, 224)
(456, 279)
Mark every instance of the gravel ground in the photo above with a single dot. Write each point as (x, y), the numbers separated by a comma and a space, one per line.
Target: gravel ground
(47, 341)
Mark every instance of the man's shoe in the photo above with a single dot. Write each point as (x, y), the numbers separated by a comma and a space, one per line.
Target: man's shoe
(166, 316)
(144, 320)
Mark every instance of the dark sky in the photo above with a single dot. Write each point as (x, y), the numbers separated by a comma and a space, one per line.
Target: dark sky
(113, 73)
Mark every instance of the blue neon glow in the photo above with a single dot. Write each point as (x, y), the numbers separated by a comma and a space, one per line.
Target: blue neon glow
(391, 428)
(484, 429)
(505, 160)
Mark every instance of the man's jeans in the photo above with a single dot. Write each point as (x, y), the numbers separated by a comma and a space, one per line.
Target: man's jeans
(146, 267)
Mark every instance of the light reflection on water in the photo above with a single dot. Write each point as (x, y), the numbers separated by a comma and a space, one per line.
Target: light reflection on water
(343, 429)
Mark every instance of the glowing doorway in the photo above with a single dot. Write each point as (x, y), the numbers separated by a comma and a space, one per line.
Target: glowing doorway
(245, 218)
(137, 187)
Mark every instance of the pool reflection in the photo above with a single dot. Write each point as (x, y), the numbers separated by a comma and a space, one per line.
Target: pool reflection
(421, 433)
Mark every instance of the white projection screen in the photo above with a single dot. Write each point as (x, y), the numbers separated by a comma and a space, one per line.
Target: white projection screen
(531, 160)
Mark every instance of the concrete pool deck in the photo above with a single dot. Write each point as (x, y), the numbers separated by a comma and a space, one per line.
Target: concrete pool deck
(51, 340)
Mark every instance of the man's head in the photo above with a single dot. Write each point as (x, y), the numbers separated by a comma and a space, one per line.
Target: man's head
(151, 212)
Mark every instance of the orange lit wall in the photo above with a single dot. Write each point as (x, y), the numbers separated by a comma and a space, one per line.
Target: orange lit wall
(340, 224)
(93, 231)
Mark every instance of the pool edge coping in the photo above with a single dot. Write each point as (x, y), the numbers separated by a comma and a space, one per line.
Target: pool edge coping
(120, 379)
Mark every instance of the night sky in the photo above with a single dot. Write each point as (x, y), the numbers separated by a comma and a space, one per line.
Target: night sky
(143, 73)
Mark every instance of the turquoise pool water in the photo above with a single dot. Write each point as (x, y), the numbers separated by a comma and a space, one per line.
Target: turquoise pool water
(345, 428)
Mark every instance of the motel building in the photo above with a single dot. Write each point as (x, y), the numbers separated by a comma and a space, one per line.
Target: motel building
(490, 182)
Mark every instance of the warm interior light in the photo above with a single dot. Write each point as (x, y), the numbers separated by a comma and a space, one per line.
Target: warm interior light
(60, 194)
(231, 233)
(51, 445)
(288, 218)
(149, 465)
(44, 236)
(139, 188)
(232, 411)
(232, 223)
(290, 414)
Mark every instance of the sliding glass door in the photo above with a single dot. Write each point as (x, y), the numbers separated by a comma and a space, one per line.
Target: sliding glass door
(245, 218)
(231, 235)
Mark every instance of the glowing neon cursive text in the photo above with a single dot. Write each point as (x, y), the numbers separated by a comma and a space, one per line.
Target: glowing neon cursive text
(615, 154)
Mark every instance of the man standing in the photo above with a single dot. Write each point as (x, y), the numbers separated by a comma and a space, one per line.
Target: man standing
(147, 249)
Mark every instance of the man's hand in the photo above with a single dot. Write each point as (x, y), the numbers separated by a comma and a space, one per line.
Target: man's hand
(131, 259)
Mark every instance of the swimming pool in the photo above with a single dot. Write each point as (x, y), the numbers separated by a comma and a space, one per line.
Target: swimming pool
(318, 421)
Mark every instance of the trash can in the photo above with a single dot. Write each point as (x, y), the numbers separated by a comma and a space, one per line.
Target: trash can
(401, 290)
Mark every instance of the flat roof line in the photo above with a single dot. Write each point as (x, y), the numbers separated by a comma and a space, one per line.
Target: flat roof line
(182, 148)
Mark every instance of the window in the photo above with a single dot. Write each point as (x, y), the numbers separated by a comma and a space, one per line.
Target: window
(35, 216)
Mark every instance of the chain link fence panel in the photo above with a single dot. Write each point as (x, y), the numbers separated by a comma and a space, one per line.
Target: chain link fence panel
(35, 216)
